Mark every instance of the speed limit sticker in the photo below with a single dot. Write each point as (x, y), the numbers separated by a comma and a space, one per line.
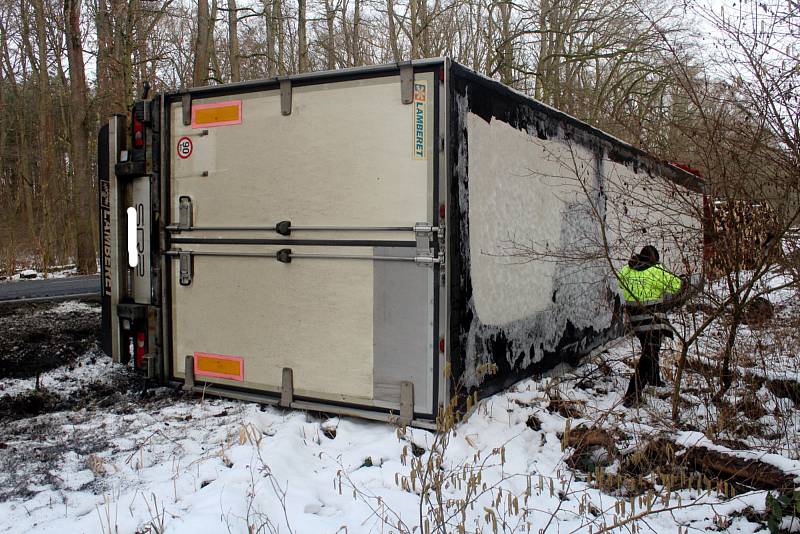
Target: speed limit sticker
(184, 147)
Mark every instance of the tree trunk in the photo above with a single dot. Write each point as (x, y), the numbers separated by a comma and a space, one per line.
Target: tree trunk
(113, 57)
(104, 56)
(423, 28)
(330, 44)
(233, 40)
(79, 135)
(414, 29)
(540, 92)
(24, 195)
(490, 38)
(269, 20)
(725, 373)
(121, 74)
(506, 45)
(45, 132)
(201, 47)
(393, 31)
(277, 14)
(676, 389)
(355, 39)
(302, 44)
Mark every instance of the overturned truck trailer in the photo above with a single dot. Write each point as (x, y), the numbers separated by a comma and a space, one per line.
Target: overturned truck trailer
(369, 241)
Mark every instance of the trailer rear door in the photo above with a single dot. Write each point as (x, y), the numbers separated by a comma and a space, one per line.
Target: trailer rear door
(348, 168)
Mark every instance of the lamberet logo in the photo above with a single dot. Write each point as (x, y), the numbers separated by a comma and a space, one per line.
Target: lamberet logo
(420, 97)
(419, 92)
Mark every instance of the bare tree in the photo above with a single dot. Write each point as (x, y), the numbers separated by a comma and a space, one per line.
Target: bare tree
(79, 135)
(233, 40)
(390, 15)
(202, 45)
(330, 37)
(302, 41)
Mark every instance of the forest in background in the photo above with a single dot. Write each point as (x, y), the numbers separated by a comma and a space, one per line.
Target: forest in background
(712, 86)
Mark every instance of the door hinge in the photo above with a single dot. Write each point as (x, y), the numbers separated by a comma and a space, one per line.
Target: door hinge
(188, 381)
(406, 82)
(423, 233)
(186, 104)
(286, 96)
(406, 403)
(287, 387)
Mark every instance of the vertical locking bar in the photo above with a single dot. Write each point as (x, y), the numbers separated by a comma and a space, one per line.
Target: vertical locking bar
(186, 267)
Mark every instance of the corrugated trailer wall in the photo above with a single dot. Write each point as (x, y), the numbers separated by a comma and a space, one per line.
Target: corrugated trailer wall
(530, 285)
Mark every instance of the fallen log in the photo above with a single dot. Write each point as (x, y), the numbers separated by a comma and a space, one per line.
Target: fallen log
(677, 466)
(754, 474)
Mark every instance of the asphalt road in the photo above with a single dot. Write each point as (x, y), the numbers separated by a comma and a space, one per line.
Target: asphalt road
(60, 288)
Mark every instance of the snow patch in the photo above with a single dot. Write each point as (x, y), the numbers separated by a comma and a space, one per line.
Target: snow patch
(73, 306)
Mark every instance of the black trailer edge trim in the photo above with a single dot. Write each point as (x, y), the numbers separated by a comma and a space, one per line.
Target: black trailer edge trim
(457, 279)
(166, 211)
(437, 81)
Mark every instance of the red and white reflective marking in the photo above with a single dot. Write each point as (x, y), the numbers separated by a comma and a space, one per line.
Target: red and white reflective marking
(184, 147)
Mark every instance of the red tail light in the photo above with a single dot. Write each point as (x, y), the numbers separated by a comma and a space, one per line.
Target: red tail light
(139, 355)
(138, 133)
(441, 344)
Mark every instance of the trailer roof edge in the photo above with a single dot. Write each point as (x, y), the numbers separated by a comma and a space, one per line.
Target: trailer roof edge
(310, 76)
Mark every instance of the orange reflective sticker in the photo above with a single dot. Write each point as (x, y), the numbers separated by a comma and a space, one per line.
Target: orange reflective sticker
(217, 114)
(219, 366)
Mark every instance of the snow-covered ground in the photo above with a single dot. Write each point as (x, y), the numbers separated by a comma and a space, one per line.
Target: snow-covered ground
(167, 462)
(56, 271)
(205, 465)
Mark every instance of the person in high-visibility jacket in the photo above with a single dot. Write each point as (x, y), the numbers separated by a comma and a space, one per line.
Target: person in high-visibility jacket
(648, 289)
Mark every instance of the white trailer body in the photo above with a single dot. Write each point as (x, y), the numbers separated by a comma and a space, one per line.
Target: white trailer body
(333, 241)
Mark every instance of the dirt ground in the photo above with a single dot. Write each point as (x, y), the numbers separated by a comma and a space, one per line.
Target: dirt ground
(50, 361)
(42, 336)
(54, 380)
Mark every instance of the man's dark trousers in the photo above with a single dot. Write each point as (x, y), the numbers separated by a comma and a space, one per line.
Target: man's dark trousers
(647, 370)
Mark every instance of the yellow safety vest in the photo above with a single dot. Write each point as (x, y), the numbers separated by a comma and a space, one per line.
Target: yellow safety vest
(648, 285)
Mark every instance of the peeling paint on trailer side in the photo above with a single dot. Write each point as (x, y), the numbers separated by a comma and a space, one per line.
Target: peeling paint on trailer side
(525, 178)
